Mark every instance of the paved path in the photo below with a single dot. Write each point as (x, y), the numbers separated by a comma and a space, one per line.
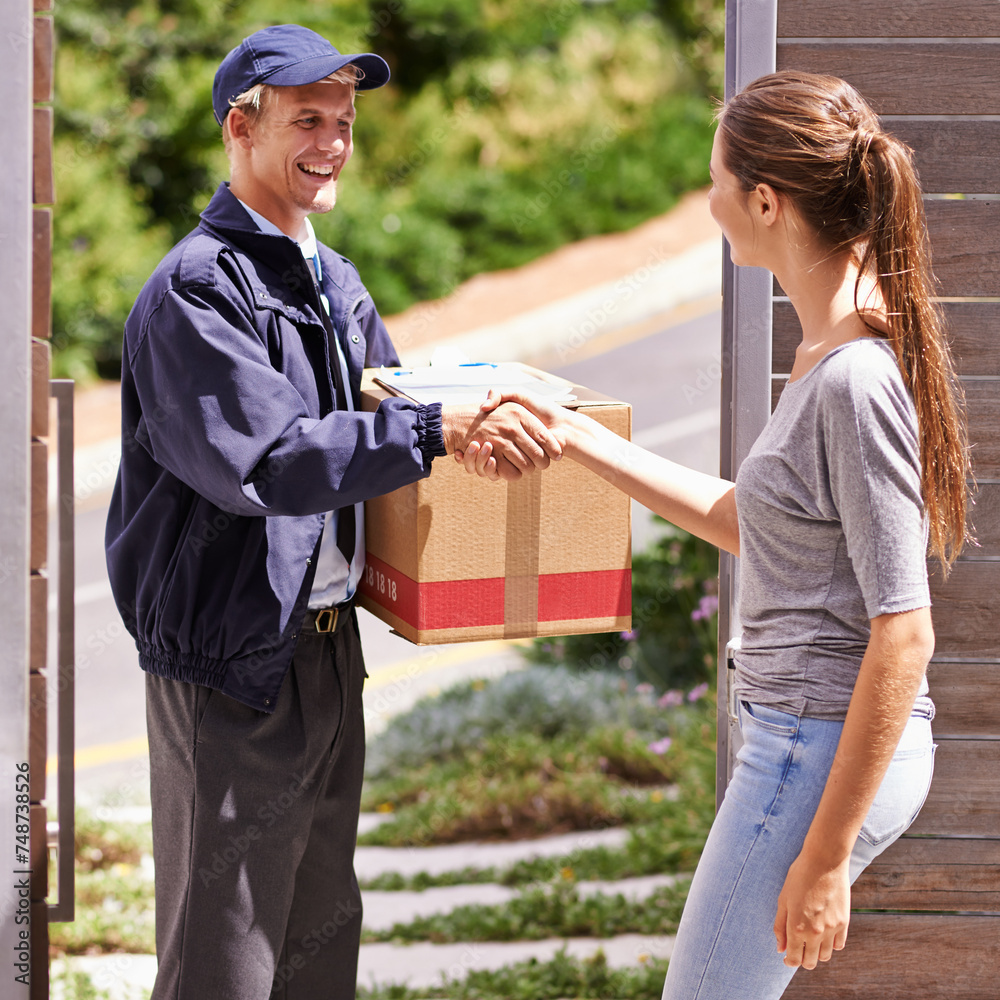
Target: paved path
(416, 965)
(385, 909)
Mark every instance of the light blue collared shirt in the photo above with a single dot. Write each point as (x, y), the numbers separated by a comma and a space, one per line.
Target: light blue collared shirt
(335, 581)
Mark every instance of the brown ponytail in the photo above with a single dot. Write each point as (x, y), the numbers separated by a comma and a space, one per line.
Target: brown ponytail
(815, 139)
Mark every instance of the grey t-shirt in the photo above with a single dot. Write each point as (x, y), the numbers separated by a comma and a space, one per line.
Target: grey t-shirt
(831, 531)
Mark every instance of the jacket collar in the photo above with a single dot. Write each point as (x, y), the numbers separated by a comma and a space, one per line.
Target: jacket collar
(226, 217)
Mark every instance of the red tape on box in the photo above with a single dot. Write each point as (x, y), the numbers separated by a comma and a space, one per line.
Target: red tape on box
(600, 593)
(470, 603)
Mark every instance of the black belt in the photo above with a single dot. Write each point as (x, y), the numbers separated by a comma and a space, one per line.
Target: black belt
(326, 620)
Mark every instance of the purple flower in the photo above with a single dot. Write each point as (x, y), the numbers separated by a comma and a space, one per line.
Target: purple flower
(644, 688)
(707, 607)
(629, 636)
(671, 699)
(660, 746)
(698, 692)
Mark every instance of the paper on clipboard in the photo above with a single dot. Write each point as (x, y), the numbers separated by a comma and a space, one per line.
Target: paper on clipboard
(469, 383)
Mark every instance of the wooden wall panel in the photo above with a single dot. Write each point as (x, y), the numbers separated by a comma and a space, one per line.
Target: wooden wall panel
(923, 873)
(41, 274)
(982, 400)
(966, 696)
(43, 178)
(40, 367)
(43, 58)
(38, 605)
(965, 612)
(907, 956)
(37, 734)
(965, 245)
(952, 156)
(964, 800)
(973, 328)
(888, 18)
(972, 331)
(39, 504)
(954, 78)
(985, 518)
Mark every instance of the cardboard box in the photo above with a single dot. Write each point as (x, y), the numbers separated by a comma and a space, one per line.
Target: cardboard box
(453, 557)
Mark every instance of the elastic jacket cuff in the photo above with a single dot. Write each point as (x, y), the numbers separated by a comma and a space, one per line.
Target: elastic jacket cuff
(430, 437)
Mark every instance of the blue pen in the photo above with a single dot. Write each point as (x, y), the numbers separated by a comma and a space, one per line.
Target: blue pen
(478, 364)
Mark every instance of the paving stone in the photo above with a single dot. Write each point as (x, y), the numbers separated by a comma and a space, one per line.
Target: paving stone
(423, 964)
(370, 862)
(384, 909)
(418, 965)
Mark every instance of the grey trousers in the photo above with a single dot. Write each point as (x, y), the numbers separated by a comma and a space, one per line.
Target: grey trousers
(255, 819)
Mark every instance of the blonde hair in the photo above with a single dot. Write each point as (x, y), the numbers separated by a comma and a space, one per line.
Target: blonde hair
(257, 101)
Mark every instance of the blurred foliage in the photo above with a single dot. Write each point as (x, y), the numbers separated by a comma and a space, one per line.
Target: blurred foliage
(509, 128)
(541, 750)
(674, 620)
(114, 895)
(540, 702)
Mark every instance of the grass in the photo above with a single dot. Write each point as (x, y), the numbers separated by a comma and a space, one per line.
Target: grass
(114, 891)
(542, 912)
(521, 781)
(72, 984)
(523, 786)
(671, 844)
(561, 977)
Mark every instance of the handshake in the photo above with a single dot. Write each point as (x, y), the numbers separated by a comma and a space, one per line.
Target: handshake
(509, 435)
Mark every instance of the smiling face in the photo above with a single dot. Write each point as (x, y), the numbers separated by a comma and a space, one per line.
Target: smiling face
(286, 165)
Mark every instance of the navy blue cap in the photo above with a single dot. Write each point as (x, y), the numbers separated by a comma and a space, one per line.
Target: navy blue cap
(287, 55)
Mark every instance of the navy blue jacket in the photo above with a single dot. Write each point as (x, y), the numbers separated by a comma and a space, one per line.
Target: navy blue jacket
(232, 450)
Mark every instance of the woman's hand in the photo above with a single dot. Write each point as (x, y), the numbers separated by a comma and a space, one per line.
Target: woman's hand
(703, 505)
(814, 909)
(479, 458)
(815, 902)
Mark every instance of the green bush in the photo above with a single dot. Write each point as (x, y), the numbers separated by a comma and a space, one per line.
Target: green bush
(509, 129)
(537, 751)
(674, 620)
(544, 702)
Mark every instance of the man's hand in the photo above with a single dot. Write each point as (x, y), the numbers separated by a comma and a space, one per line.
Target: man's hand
(814, 909)
(516, 441)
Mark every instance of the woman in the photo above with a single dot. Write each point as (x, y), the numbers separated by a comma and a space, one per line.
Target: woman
(864, 457)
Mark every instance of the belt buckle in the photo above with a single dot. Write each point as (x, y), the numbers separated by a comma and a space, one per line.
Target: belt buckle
(329, 622)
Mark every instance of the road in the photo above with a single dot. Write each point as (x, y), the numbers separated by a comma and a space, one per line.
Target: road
(671, 377)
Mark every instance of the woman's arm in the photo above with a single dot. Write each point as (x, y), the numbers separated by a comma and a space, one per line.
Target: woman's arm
(815, 901)
(701, 504)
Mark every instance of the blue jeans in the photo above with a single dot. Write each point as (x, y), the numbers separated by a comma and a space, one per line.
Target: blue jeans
(725, 947)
